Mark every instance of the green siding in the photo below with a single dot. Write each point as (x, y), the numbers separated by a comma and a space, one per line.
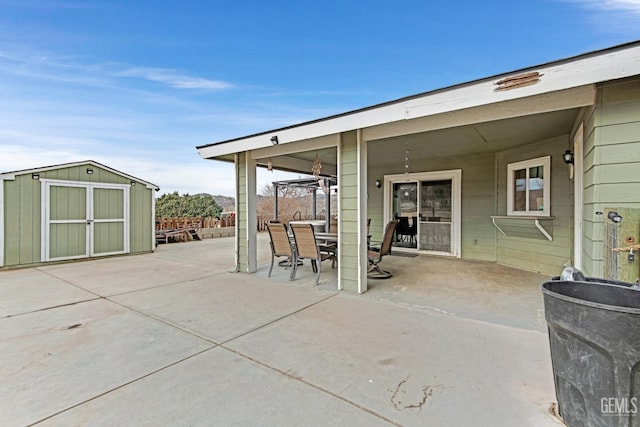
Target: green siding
(478, 198)
(68, 240)
(108, 203)
(611, 163)
(68, 203)
(108, 237)
(22, 208)
(141, 231)
(348, 184)
(536, 254)
(22, 221)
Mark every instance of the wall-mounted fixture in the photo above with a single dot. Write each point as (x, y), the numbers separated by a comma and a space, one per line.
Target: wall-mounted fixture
(89, 171)
(274, 140)
(133, 183)
(568, 157)
(614, 217)
(378, 183)
(35, 176)
(270, 166)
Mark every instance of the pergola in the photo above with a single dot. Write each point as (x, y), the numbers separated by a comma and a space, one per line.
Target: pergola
(312, 185)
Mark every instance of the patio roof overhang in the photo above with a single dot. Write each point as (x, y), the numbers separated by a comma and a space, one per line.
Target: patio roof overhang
(555, 86)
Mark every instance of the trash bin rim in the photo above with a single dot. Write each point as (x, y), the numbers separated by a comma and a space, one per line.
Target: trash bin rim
(580, 301)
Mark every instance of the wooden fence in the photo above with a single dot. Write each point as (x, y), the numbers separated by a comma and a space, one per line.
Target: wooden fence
(194, 222)
(208, 222)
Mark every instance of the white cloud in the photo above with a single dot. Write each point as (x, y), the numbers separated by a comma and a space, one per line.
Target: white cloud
(175, 79)
(612, 5)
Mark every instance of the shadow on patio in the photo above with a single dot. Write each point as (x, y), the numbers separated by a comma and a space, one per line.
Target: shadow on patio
(478, 290)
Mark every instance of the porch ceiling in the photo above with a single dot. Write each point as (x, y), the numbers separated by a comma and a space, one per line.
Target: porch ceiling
(478, 138)
(473, 139)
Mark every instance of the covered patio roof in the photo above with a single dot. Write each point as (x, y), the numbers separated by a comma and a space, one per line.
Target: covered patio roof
(551, 87)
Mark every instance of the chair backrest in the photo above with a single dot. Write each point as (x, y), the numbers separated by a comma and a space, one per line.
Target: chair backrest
(387, 239)
(305, 240)
(403, 225)
(280, 244)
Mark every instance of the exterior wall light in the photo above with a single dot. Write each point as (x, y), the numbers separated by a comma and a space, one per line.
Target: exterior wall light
(89, 171)
(378, 183)
(274, 140)
(614, 217)
(568, 157)
(35, 176)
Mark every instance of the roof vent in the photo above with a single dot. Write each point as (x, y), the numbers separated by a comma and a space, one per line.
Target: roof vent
(521, 80)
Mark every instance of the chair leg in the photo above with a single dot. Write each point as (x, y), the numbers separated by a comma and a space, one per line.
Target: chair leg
(271, 268)
(379, 273)
(314, 266)
(294, 267)
(319, 268)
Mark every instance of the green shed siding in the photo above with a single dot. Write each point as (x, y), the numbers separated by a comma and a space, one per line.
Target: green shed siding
(23, 207)
(141, 223)
(348, 184)
(537, 253)
(21, 221)
(611, 163)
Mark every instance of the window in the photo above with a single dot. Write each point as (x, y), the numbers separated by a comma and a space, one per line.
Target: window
(528, 187)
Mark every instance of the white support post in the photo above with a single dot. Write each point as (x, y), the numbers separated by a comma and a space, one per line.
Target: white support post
(363, 262)
(251, 215)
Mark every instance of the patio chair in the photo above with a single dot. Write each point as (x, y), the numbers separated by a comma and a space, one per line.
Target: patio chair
(280, 245)
(375, 254)
(306, 247)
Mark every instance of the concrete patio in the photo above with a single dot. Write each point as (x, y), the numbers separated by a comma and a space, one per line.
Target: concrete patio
(175, 338)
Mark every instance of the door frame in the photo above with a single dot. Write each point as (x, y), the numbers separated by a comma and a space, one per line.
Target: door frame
(455, 175)
(45, 209)
(578, 179)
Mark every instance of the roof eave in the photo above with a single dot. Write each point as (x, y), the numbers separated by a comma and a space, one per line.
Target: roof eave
(571, 72)
(12, 175)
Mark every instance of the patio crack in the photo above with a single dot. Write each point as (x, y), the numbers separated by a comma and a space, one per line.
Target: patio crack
(312, 385)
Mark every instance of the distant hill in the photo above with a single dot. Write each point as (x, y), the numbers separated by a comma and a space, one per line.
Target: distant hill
(228, 204)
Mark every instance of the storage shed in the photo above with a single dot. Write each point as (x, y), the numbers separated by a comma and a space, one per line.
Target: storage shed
(72, 211)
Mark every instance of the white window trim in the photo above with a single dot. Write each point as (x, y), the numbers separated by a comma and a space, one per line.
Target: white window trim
(526, 164)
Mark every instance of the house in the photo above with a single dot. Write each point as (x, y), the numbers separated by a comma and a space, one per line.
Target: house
(71, 211)
(476, 170)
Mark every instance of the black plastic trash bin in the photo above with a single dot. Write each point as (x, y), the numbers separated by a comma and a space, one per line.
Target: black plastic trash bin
(594, 334)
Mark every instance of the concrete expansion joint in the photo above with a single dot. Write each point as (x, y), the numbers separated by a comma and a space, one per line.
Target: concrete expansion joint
(135, 380)
(52, 307)
(310, 384)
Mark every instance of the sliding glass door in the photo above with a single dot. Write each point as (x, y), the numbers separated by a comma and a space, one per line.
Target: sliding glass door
(427, 206)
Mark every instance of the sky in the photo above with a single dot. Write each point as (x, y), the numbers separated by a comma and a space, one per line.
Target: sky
(138, 85)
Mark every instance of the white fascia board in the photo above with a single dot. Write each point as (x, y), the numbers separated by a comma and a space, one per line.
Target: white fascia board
(11, 175)
(557, 76)
(1, 222)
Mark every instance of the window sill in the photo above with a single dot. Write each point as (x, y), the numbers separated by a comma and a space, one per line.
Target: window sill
(526, 222)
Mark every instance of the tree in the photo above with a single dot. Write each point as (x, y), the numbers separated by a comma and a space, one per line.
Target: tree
(291, 201)
(172, 205)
